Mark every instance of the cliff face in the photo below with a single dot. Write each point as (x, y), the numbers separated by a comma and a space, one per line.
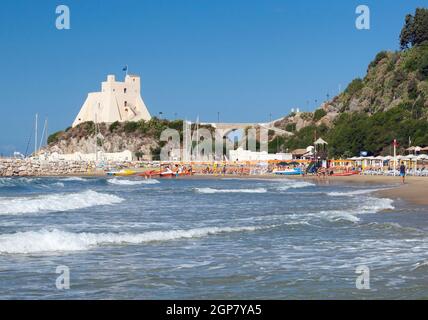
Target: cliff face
(139, 137)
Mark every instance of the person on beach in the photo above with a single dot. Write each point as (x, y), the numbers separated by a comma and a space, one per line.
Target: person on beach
(403, 172)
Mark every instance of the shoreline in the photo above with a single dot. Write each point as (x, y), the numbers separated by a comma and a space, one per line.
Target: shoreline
(414, 191)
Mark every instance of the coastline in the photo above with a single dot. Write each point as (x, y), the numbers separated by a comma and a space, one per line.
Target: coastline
(414, 191)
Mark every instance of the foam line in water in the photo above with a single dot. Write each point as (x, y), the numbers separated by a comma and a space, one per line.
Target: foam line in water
(292, 184)
(368, 205)
(56, 202)
(125, 182)
(57, 240)
(75, 179)
(353, 193)
(212, 190)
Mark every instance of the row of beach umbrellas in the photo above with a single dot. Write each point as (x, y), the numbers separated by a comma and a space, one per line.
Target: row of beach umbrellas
(410, 157)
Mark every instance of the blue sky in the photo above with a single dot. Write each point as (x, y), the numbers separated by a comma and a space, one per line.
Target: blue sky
(244, 59)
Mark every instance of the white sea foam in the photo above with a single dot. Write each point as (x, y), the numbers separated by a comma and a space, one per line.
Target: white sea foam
(125, 182)
(368, 205)
(211, 190)
(352, 193)
(57, 240)
(57, 184)
(76, 179)
(56, 202)
(291, 184)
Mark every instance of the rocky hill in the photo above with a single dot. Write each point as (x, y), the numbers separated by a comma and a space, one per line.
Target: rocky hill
(390, 102)
(141, 137)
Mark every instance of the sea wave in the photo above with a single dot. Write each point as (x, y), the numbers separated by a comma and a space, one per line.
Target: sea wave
(75, 179)
(14, 182)
(57, 240)
(56, 202)
(24, 182)
(291, 184)
(212, 190)
(125, 182)
(368, 205)
(353, 193)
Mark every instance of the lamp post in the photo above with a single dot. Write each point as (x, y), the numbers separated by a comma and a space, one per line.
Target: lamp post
(218, 116)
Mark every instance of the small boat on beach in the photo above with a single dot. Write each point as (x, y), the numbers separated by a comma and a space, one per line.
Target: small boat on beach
(168, 173)
(344, 174)
(289, 172)
(121, 173)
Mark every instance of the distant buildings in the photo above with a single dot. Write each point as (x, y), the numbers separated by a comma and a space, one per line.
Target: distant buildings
(247, 155)
(117, 101)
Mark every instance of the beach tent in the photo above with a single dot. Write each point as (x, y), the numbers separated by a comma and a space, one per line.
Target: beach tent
(321, 141)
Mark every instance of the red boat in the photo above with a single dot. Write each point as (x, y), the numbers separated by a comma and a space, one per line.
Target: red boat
(163, 174)
(344, 174)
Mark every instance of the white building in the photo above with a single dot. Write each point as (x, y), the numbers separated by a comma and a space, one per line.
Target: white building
(247, 155)
(78, 156)
(117, 101)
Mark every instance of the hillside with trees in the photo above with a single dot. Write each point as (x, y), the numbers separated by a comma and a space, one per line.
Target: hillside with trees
(390, 102)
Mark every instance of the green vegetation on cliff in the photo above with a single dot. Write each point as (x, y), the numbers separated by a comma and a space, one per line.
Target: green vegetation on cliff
(391, 102)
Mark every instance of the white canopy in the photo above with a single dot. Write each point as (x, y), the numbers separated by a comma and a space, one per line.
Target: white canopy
(320, 141)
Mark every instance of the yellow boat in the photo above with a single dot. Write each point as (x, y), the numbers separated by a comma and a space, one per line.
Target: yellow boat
(122, 173)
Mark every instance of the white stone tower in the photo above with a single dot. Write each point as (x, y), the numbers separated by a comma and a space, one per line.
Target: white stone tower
(117, 101)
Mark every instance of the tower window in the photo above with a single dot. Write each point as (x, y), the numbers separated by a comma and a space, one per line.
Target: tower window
(124, 90)
(126, 103)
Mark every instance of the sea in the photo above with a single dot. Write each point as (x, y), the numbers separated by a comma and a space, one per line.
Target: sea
(226, 238)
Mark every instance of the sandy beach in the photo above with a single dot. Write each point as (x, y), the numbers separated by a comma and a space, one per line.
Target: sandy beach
(415, 189)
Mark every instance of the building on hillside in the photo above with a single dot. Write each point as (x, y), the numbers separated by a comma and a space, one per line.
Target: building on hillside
(79, 156)
(117, 101)
(247, 155)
